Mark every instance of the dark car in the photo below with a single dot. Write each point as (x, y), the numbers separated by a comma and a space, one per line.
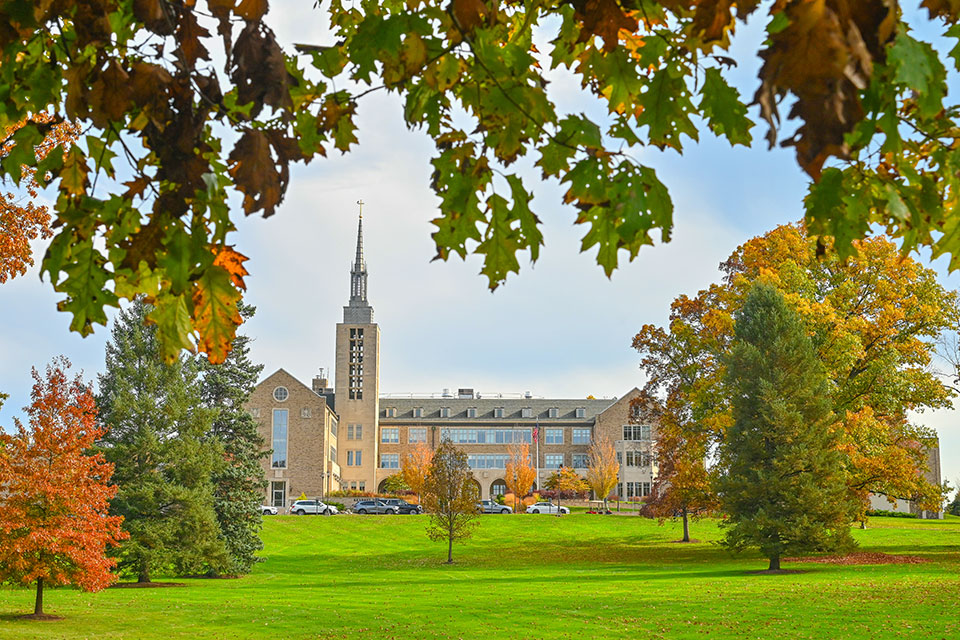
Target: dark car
(403, 505)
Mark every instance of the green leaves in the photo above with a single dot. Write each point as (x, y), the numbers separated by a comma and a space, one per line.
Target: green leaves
(917, 65)
(725, 113)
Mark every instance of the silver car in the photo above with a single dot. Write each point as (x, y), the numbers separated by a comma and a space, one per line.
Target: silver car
(546, 507)
(313, 507)
(268, 510)
(492, 506)
(375, 506)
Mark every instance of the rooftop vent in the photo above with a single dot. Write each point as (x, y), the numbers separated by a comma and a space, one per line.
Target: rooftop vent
(465, 394)
(446, 393)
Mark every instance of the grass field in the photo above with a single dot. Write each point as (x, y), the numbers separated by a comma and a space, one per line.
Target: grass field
(580, 577)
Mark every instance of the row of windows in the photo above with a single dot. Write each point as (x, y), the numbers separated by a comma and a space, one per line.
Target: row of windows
(636, 458)
(354, 458)
(487, 436)
(556, 460)
(389, 460)
(526, 412)
(634, 490)
(636, 432)
(487, 461)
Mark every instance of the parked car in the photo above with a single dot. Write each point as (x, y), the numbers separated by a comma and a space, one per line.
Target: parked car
(403, 505)
(313, 507)
(492, 506)
(267, 510)
(375, 506)
(546, 507)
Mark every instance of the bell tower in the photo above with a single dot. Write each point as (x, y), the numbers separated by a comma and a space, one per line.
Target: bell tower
(358, 381)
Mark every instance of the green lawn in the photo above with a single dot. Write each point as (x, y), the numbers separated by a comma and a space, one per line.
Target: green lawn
(580, 577)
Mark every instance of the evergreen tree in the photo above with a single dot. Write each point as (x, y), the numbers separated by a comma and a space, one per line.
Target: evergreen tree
(162, 459)
(782, 485)
(238, 484)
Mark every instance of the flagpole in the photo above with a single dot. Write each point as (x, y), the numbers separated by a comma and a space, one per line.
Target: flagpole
(536, 438)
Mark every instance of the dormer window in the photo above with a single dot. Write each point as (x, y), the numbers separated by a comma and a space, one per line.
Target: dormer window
(444, 412)
(390, 412)
(526, 412)
(472, 412)
(581, 412)
(498, 412)
(418, 412)
(553, 412)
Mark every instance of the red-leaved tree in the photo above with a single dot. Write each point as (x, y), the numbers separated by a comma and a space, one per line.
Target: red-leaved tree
(54, 527)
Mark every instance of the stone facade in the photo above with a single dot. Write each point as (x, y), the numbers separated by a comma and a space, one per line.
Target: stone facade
(301, 432)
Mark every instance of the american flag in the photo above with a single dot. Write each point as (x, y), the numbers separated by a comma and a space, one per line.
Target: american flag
(536, 432)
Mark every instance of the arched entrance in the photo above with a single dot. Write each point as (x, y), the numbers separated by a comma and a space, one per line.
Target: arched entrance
(382, 488)
(476, 486)
(498, 488)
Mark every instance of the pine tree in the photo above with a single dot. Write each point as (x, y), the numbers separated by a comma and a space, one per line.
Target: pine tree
(782, 485)
(238, 484)
(163, 461)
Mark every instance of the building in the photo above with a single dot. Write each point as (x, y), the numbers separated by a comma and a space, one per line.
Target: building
(351, 437)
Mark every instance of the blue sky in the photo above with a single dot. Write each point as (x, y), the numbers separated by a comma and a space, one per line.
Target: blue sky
(560, 328)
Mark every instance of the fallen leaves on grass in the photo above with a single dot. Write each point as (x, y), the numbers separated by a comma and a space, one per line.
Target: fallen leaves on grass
(861, 557)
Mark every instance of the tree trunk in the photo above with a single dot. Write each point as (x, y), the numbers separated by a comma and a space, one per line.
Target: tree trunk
(450, 549)
(774, 563)
(38, 606)
(686, 526)
(144, 574)
(863, 524)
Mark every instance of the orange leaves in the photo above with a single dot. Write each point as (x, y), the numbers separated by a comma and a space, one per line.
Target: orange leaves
(251, 10)
(53, 518)
(603, 18)
(416, 467)
(232, 261)
(519, 474)
(603, 471)
(470, 13)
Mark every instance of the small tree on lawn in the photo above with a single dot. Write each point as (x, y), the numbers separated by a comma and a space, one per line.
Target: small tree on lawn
(416, 467)
(450, 496)
(54, 522)
(783, 487)
(565, 479)
(519, 473)
(603, 469)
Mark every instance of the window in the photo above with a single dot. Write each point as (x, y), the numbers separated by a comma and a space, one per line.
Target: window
(306, 412)
(636, 432)
(390, 412)
(553, 412)
(472, 412)
(418, 412)
(638, 489)
(279, 439)
(581, 412)
(553, 436)
(487, 436)
(390, 435)
(354, 432)
(353, 486)
(581, 436)
(356, 364)
(487, 461)
(333, 454)
(280, 394)
(416, 434)
(581, 461)
(278, 493)
(444, 412)
(553, 461)
(361, 486)
(333, 427)
(349, 432)
(498, 412)
(255, 412)
(498, 488)
(354, 458)
(389, 460)
(526, 412)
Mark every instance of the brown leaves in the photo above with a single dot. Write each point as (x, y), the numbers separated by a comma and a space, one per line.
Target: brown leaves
(109, 96)
(251, 10)
(259, 70)
(469, 13)
(713, 20)
(824, 58)
(603, 18)
(255, 173)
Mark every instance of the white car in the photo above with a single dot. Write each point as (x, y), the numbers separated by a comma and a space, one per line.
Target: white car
(267, 511)
(546, 507)
(314, 507)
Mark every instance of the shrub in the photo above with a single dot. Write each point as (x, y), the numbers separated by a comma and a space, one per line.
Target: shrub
(889, 514)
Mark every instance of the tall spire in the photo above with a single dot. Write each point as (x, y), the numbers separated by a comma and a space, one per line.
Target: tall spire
(359, 309)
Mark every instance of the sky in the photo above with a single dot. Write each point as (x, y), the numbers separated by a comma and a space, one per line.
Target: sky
(560, 328)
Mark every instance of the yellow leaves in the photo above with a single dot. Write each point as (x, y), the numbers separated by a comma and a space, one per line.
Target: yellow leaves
(251, 10)
(73, 175)
(232, 261)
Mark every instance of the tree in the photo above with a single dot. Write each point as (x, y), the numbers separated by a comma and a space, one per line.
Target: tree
(163, 458)
(874, 321)
(867, 95)
(54, 525)
(604, 469)
(22, 220)
(450, 497)
(682, 486)
(519, 474)
(238, 483)
(782, 484)
(565, 480)
(416, 468)
(954, 507)
(395, 484)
